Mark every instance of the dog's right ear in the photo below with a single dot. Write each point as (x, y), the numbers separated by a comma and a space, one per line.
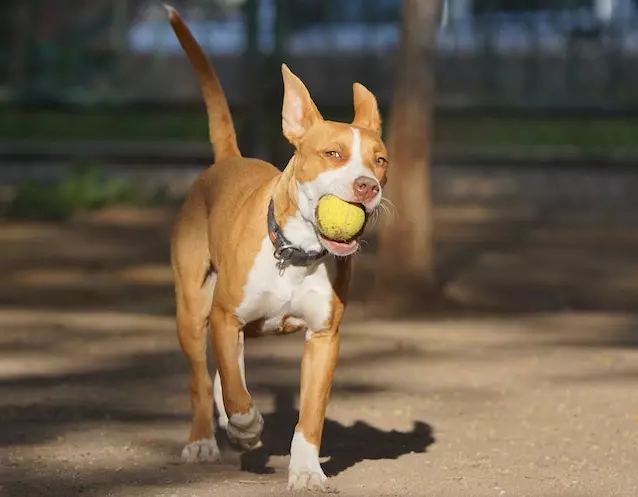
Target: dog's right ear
(299, 112)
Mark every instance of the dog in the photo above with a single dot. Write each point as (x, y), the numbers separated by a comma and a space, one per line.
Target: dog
(248, 260)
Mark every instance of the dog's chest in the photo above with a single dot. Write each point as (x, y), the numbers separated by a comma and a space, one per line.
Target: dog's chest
(297, 299)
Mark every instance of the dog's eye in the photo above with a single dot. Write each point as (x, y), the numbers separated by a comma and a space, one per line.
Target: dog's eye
(381, 161)
(333, 154)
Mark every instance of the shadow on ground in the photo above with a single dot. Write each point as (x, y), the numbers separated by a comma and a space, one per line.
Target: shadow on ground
(121, 401)
(344, 445)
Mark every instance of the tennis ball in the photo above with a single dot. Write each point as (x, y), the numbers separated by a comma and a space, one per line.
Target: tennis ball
(339, 220)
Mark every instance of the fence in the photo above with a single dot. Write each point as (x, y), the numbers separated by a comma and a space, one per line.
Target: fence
(510, 73)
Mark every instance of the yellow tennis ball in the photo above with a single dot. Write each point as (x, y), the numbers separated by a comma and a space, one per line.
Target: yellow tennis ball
(339, 220)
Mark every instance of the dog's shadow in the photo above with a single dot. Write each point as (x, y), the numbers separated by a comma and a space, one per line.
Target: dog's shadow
(344, 445)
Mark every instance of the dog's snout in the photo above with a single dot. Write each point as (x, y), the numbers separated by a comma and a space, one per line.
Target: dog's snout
(365, 188)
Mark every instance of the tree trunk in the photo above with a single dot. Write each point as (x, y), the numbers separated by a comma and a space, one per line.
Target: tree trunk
(406, 243)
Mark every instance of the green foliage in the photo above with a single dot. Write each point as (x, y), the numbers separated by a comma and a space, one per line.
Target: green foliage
(84, 189)
(468, 131)
(99, 124)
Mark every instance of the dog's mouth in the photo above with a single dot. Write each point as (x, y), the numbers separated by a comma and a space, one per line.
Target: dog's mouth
(337, 245)
(339, 248)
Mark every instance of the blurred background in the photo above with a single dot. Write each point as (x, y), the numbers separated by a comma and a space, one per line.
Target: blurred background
(534, 132)
(512, 232)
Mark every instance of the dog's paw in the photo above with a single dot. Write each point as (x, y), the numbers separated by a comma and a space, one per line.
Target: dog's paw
(307, 480)
(304, 471)
(201, 451)
(245, 429)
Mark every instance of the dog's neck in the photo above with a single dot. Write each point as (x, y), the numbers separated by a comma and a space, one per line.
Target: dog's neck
(291, 210)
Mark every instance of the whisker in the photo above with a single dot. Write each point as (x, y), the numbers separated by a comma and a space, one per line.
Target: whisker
(374, 218)
(389, 210)
(389, 205)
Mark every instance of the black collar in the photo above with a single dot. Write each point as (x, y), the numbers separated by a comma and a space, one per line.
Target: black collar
(285, 251)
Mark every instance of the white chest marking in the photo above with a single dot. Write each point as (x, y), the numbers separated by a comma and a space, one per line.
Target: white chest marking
(303, 294)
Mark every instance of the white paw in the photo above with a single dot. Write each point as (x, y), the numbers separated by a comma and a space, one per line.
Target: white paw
(307, 480)
(245, 429)
(304, 471)
(201, 451)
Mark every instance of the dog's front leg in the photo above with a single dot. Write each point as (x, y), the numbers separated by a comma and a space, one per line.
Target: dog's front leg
(317, 370)
(245, 423)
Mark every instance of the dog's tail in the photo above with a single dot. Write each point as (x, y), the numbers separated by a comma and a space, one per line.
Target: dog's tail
(220, 123)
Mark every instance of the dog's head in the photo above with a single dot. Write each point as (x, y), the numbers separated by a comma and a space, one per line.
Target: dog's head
(348, 160)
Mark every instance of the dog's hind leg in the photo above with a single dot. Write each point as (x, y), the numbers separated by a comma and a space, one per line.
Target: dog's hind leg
(217, 384)
(194, 286)
(218, 396)
(243, 421)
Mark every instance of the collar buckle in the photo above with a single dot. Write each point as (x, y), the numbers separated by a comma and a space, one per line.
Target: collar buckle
(282, 254)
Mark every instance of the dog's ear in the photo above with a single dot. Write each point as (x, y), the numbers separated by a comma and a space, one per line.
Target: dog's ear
(299, 112)
(366, 110)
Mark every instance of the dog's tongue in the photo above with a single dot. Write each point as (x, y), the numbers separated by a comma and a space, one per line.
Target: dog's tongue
(340, 248)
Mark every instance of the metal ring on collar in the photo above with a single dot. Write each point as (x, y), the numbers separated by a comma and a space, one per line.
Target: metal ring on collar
(279, 250)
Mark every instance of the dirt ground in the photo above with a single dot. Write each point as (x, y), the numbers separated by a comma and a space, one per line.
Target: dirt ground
(528, 387)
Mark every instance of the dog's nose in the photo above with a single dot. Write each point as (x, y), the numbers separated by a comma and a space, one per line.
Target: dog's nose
(365, 188)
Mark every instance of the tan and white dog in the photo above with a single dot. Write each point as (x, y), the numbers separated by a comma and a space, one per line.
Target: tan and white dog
(248, 260)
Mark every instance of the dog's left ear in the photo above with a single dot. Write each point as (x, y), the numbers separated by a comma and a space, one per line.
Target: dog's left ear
(366, 110)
